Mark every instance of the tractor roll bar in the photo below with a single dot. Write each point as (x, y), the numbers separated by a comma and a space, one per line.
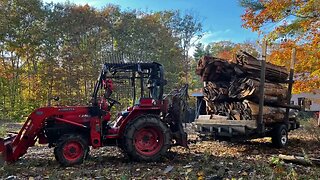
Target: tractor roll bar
(97, 86)
(153, 71)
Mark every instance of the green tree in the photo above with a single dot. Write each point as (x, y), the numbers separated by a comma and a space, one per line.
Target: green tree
(199, 51)
(221, 46)
(55, 49)
(21, 20)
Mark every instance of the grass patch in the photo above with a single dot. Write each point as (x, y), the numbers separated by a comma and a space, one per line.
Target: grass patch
(312, 128)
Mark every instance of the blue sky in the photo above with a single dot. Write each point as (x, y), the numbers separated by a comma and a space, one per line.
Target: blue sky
(220, 18)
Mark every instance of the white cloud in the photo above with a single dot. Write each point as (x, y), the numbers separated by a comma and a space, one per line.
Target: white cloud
(211, 36)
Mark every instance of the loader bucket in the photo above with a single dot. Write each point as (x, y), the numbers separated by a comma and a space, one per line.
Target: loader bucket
(6, 149)
(15, 145)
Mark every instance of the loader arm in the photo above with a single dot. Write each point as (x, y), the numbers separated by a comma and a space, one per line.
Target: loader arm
(11, 148)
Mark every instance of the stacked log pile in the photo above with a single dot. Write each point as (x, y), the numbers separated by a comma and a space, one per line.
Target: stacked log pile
(232, 88)
(249, 64)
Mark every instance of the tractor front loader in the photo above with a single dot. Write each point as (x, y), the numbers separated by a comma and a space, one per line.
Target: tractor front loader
(145, 130)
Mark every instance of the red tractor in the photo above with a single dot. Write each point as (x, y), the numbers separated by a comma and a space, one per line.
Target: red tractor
(145, 131)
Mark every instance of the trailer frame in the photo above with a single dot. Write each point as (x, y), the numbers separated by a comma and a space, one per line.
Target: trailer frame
(217, 127)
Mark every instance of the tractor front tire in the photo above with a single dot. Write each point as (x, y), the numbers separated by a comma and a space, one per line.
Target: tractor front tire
(146, 138)
(71, 149)
(279, 136)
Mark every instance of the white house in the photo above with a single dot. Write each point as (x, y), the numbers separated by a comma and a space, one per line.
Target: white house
(313, 96)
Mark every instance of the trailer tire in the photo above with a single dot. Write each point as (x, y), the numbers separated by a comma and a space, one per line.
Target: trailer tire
(71, 149)
(279, 136)
(146, 138)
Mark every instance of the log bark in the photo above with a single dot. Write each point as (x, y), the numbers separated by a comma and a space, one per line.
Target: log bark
(270, 114)
(246, 65)
(232, 89)
(252, 66)
(247, 87)
(219, 102)
(232, 110)
(214, 92)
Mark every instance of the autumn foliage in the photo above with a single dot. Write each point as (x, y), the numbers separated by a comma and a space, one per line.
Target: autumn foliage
(289, 24)
(57, 49)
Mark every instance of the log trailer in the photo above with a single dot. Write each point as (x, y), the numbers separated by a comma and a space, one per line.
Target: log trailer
(143, 131)
(215, 126)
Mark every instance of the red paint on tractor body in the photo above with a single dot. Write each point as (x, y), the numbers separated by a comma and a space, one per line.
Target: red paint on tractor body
(79, 116)
(91, 123)
(14, 147)
(95, 132)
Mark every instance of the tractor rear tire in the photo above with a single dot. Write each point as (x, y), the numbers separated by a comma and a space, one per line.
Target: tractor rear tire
(71, 149)
(279, 136)
(146, 138)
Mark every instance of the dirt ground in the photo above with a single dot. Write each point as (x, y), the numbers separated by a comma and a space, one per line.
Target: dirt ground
(255, 159)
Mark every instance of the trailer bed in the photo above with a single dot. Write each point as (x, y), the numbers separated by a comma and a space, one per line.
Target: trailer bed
(203, 120)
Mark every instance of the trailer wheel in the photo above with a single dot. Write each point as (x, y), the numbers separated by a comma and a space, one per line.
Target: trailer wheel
(146, 139)
(71, 149)
(280, 136)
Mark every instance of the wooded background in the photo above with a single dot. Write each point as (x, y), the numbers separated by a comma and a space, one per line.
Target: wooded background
(57, 49)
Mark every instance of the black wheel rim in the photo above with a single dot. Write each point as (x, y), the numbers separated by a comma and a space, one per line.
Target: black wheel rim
(283, 137)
